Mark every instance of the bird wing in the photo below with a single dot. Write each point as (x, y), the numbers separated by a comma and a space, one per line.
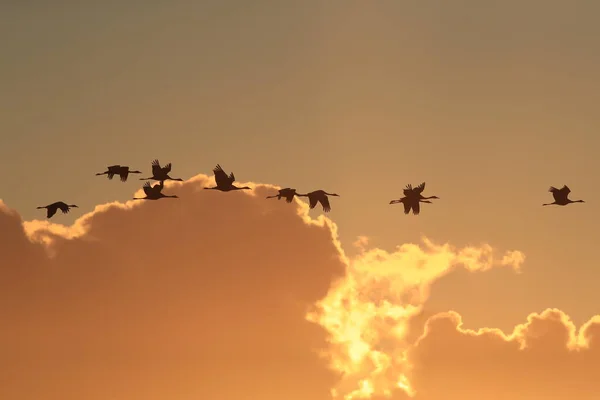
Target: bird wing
(114, 168)
(324, 200)
(406, 206)
(221, 177)
(123, 173)
(167, 168)
(408, 190)
(312, 199)
(156, 169)
(148, 189)
(416, 207)
(419, 189)
(231, 177)
(64, 208)
(565, 189)
(110, 174)
(50, 211)
(158, 187)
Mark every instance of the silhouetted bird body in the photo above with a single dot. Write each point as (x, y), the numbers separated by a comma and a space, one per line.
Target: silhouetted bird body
(410, 203)
(59, 205)
(319, 196)
(161, 173)
(561, 196)
(287, 193)
(413, 198)
(154, 192)
(224, 182)
(121, 170)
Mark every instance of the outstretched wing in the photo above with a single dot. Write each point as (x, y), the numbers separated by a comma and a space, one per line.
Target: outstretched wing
(324, 200)
(416, 207)
(110, 174)
(406, 206)
(158, 187)
(288, 194)
(231, 178)
(123, 173)
(408, 190)
(167, 168)
(156, 169)
(148, 189)
(312, 201)
(64, 208)
(419, 189)
(51, 211)
(221, 177)
(565, 189)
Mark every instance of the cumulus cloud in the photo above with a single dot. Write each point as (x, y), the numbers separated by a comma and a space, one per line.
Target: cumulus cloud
(230, 296)
(198, 297)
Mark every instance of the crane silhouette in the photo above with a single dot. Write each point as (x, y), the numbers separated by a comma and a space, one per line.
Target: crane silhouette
(161, 173)
(413, 198)
(318, 196)
(121, 170)
(287, 193)
(417, 191)
(154, 192)
(224, 182)
(411, 202)
(561, 196)
(59, 205)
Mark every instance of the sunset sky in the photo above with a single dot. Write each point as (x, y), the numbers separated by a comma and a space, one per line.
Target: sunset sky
(229, 296)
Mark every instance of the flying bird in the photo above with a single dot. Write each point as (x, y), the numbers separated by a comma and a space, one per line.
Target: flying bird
(161, 173)
(287, 193)
(417, 191)
(121, 170)
(561, 196)
(411, 202)
(413, 198)
(224, 182)
(319, 196)
(154, 192)
(59, 205)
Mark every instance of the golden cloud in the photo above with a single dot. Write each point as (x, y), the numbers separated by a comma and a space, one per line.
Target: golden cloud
(230, 296)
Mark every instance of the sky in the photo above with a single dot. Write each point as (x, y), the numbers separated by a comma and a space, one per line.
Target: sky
(208, 295)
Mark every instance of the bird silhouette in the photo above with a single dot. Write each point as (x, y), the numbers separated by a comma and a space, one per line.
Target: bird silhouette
(59, 205)
(161, 173)
(121, 170)
(318, 196)
(287, 193)
(412, 198)
(417, 191)
(411, 202)
(154, 192)
(561, 196)
(224, 182)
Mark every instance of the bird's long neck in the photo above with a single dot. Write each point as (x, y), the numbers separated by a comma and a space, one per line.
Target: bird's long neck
(171, 196)
(139, 198)
(430, 197)
(577, 201)
(101, 173)
(213, 188)
(41, 207)
(549, 204)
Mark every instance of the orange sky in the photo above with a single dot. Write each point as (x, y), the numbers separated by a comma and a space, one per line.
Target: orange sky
(490, 104)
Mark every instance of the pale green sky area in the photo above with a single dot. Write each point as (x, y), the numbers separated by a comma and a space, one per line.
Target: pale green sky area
(489, 102)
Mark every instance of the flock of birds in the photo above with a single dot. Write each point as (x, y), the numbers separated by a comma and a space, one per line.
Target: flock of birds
(411, 200)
